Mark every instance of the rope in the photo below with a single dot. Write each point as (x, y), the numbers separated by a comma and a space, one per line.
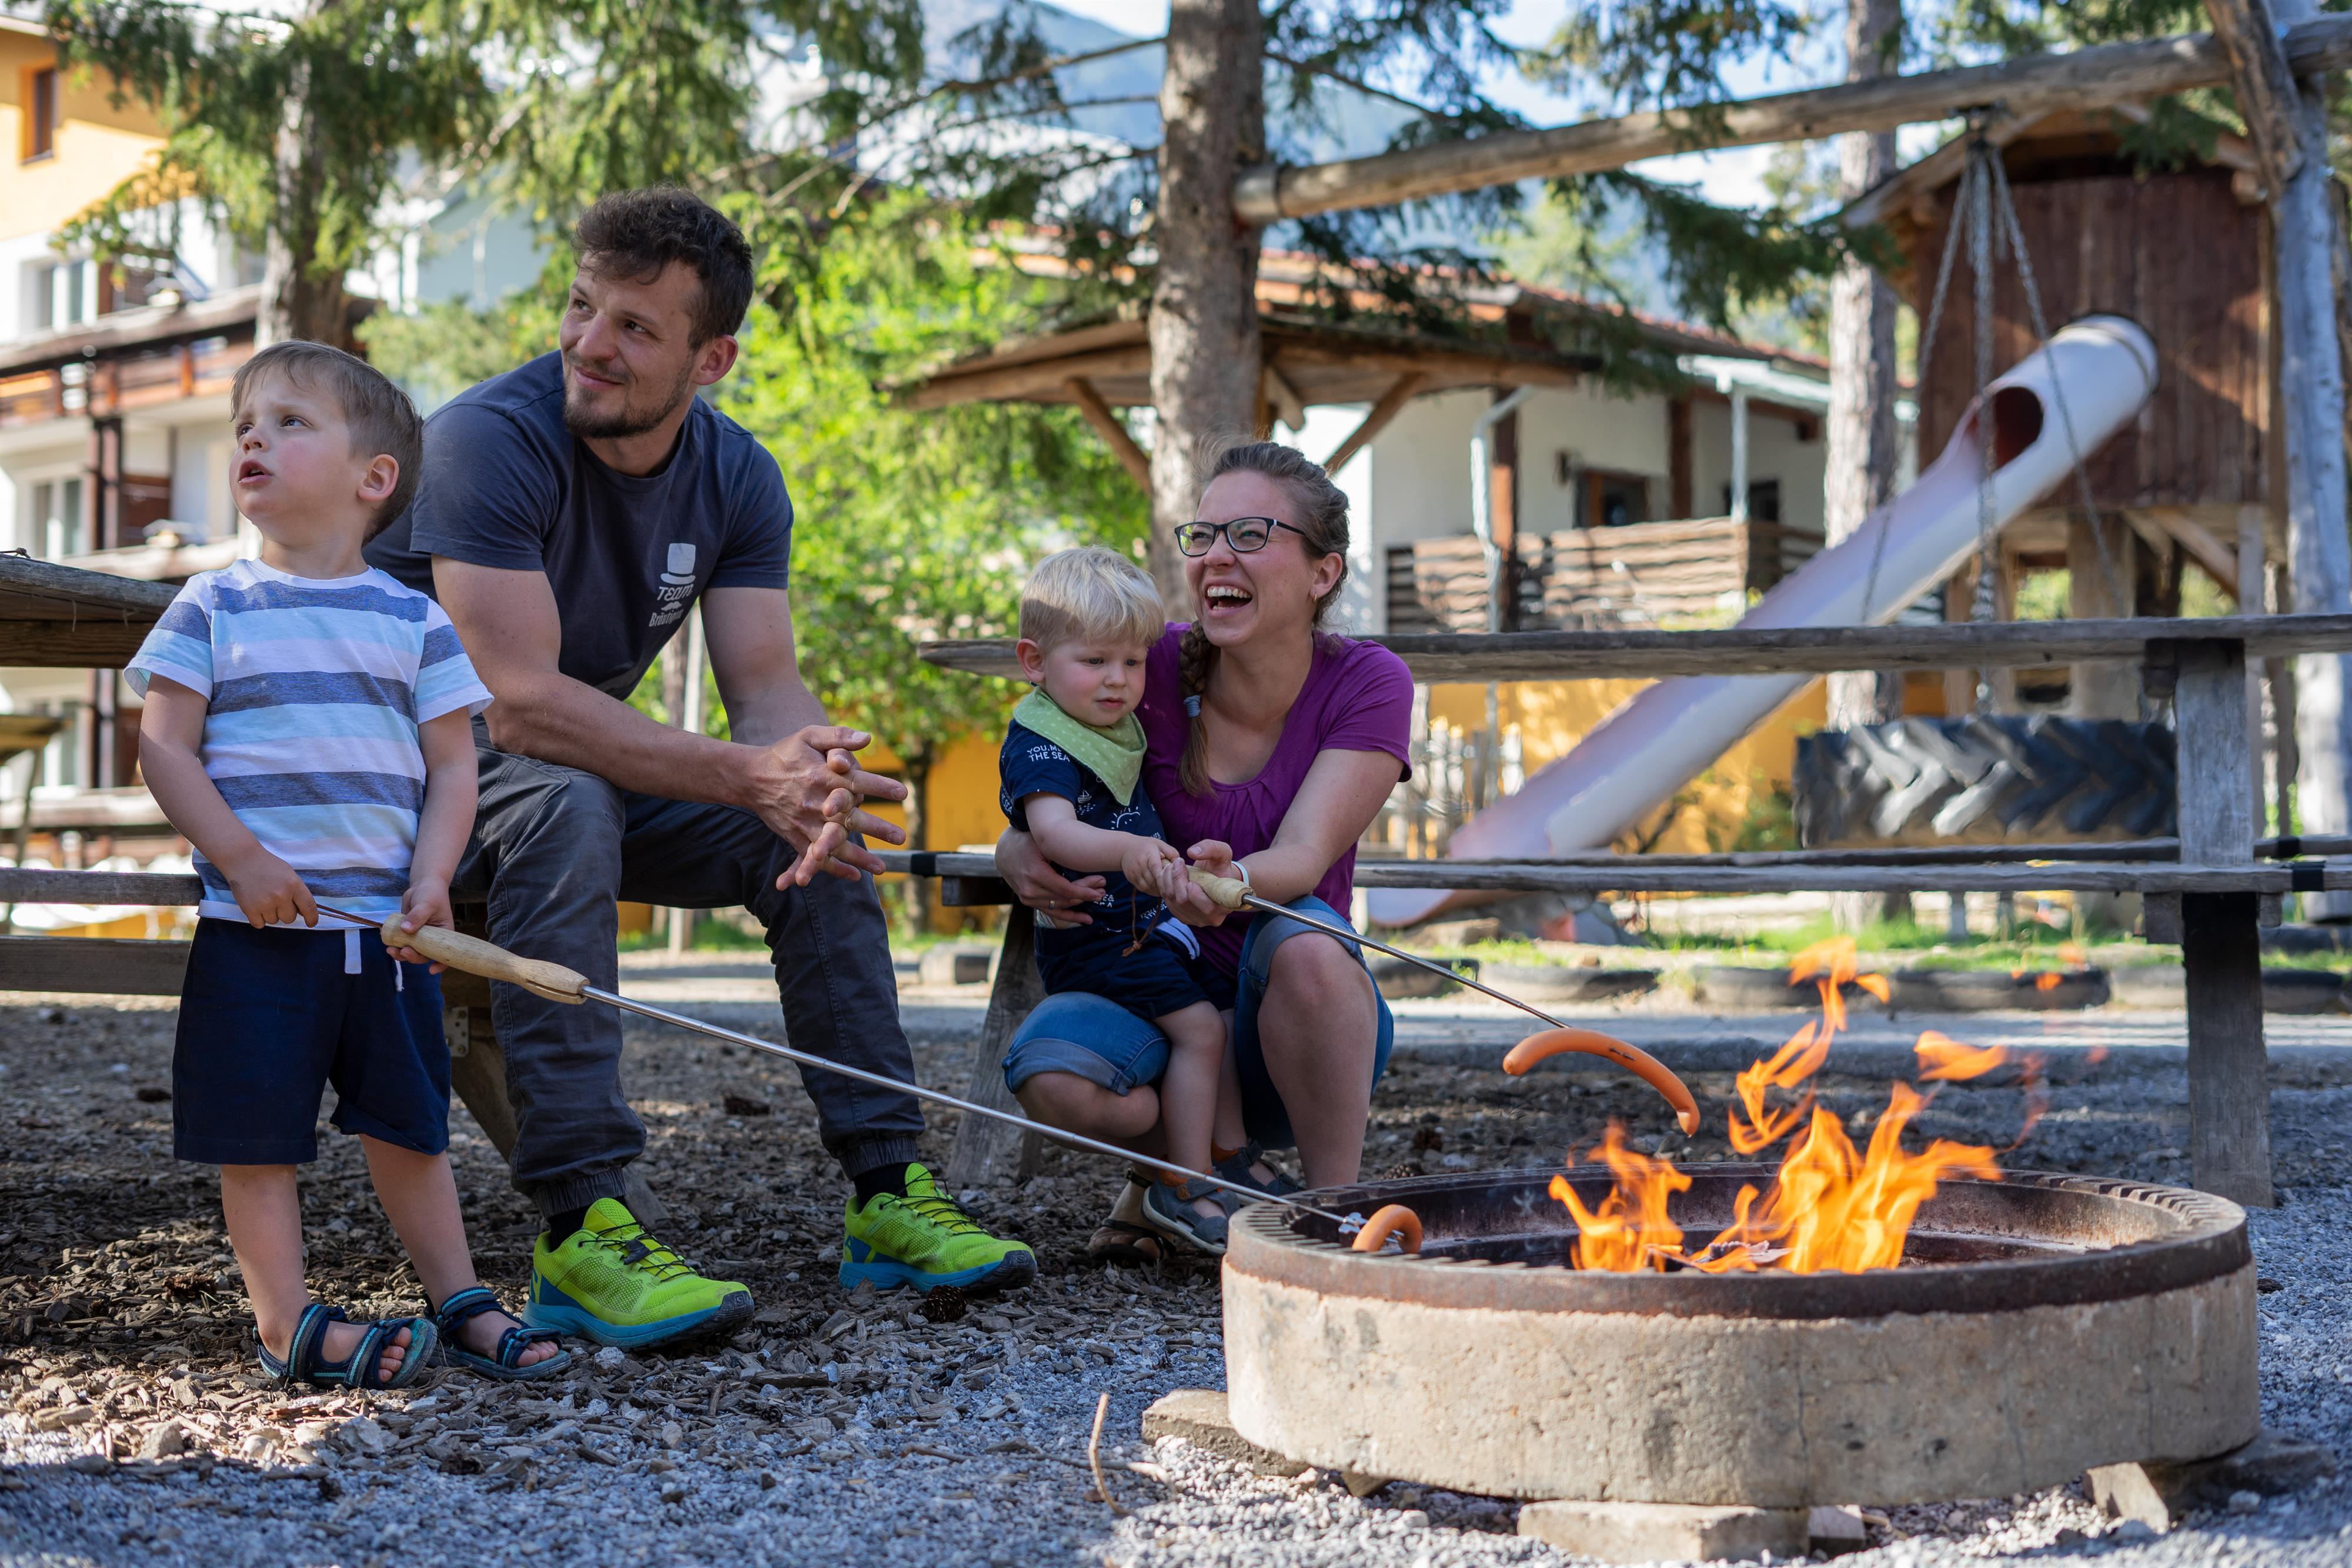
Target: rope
(1926, 345)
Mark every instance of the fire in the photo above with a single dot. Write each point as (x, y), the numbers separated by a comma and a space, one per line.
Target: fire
(1629, 1232)
(1829, 1206)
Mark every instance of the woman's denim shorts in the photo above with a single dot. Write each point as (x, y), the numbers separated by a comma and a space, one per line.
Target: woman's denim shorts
(1104, 1043)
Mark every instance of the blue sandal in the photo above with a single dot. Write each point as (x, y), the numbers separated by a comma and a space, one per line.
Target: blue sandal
(503, 1364)
(357, 1370)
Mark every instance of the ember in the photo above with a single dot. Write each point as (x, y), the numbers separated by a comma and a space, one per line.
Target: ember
(1829, 1206)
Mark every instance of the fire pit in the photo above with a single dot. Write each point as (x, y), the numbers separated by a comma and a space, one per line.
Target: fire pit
(2038, 1325)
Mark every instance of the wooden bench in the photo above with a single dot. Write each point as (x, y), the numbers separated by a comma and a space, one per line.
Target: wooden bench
(2207, 888)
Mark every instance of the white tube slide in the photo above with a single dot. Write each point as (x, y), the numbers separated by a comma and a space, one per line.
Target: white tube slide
(1667, 734)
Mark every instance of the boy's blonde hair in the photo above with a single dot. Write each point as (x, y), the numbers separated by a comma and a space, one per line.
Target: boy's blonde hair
(1092, 593)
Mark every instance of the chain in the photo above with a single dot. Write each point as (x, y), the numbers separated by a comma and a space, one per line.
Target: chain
(2115, 600)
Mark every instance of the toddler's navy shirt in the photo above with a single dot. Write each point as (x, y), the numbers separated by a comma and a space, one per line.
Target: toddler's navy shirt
(1030, 764)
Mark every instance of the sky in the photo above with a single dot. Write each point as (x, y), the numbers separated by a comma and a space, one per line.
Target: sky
(1732, 177)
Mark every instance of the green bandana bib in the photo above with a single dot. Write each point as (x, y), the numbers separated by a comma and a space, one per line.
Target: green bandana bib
(1115, 755)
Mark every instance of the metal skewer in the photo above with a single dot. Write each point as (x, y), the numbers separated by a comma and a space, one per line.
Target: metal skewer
(557, 983)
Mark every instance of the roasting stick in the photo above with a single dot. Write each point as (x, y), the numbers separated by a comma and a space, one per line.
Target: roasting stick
(1230, 893)
(558, 983)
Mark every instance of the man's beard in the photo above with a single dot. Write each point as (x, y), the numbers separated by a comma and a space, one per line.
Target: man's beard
(631, 419)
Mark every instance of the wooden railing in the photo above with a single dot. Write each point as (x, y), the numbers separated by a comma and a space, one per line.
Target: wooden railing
(1643, 574)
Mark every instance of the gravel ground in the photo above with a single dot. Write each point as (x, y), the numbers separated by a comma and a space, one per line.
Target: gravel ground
(842, 1430)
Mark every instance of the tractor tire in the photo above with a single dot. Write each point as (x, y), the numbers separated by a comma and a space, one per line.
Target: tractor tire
(1570, 983)
(1984, 778)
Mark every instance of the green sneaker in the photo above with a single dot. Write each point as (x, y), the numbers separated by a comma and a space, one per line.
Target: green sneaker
(611, 1283)
(924, 1240)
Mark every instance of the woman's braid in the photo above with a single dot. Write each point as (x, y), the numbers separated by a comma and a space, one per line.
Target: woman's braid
(1196, 658)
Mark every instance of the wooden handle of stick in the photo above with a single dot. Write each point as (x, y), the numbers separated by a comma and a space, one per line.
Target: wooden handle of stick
(1226, 891)
(475, 956)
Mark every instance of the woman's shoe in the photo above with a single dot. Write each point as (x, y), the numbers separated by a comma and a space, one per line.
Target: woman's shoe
(1123, 1238)
(1168, 1210)
(1236, 1168)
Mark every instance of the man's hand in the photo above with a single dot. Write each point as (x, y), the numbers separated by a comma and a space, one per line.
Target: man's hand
(426, 902)
(268, 892)
(1037, 884)
(806, 787)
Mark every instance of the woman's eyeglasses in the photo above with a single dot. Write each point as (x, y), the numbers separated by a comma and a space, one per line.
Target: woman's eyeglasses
(1247, 536)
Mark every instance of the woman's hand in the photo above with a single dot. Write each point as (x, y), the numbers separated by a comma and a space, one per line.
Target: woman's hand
(1037, 884)
(1187, 899)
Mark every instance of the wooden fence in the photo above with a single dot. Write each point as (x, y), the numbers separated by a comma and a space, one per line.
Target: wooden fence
(1698, 569)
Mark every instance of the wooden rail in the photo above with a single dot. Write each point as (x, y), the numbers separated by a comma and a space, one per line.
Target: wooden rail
(1445, 658)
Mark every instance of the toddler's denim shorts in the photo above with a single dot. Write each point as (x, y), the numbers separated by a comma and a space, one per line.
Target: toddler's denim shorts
(268, 1019)
(1104, 1043)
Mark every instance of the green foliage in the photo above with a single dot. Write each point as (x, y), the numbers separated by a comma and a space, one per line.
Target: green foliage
(394, 76)
(910, 523)
(444, 349)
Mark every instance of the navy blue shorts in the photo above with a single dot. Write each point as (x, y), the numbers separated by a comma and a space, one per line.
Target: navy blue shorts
(1155, 980)
(1104, 1043)
(268, 1019)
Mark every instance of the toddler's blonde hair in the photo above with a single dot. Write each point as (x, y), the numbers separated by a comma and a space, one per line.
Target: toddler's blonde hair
(1093, 594)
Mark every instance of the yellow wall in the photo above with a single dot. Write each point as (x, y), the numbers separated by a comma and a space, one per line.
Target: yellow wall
(1552, 715)
(97, 145)
(961, 807)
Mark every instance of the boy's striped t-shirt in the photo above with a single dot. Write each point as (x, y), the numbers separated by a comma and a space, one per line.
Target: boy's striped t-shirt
(314, 690)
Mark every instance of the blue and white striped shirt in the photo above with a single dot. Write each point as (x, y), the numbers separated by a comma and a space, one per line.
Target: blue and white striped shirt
(314, 689)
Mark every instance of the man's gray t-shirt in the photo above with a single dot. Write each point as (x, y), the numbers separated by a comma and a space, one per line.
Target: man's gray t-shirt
(507, 485)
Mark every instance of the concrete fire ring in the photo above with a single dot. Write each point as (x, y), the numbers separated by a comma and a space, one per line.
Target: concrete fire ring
(2113, 1322)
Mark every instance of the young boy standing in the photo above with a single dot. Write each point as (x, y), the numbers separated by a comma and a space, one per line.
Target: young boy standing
(307, 729)
(1072, 780)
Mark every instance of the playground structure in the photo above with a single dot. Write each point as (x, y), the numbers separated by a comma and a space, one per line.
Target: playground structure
(2101, 371)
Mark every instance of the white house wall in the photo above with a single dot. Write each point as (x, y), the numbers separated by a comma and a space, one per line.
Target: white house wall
(1622, 434)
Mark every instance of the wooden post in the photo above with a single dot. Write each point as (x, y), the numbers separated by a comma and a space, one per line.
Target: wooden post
(986, 1148)
(1205, 330)
(2287, 116)
(1682, 501)
(2228, 1071)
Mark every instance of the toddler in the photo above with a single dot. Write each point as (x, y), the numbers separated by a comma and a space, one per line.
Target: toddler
(306, 728)
(1072, 771)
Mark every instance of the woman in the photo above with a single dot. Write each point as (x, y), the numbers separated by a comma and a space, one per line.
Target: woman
(1267, 734)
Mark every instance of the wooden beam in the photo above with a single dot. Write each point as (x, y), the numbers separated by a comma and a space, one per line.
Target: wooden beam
(2081, 79)
(1474, 658)
(1282, 397)
(2219, 562)
(1130, 457)
(1004, 384)
(986, 1148)
(97, 887)
(1391, 403)
(96, 965)
(2263, 81)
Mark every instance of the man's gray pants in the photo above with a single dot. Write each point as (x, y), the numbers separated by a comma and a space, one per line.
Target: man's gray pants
(553, 848)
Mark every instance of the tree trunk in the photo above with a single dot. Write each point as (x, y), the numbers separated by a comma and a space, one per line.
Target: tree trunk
(1205, 338)
(1861, 456)
(2312, 404)
(298, 298)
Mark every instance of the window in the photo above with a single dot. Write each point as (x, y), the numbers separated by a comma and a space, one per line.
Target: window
(71, 294)
(1763, 501)
(56, 528)
(40, 105)
(1613, 500)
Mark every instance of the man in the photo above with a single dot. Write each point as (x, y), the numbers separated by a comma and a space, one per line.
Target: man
(571, 512)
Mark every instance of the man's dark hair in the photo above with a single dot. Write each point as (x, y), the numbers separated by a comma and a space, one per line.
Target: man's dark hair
(636, 234)
(383, 422)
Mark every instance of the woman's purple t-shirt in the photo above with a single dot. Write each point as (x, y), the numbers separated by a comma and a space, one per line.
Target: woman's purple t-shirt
(1358, 698)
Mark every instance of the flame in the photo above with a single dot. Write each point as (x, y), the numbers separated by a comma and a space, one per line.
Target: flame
(1943, 1059)
(1829, 1206)
(1784, 1069)
(1630, 1232)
